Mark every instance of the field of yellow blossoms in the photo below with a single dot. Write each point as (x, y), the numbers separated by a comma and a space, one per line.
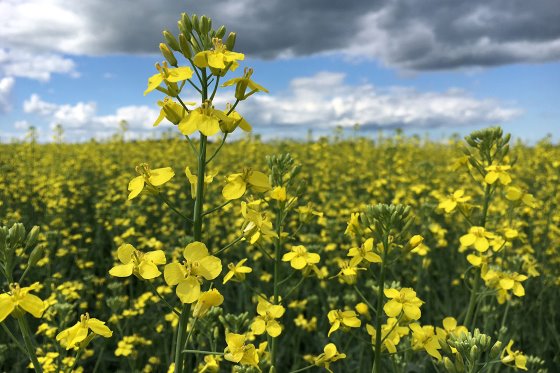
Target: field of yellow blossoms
(195, 253)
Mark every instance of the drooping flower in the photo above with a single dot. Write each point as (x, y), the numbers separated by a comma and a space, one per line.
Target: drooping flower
(330, 355)
(188, 275)
(513, 358)
(74, 335)
(20, 298)
(142, 265)
(241, 85)
(207, 300)
(153, 178)
(170, 76)
(256, 224)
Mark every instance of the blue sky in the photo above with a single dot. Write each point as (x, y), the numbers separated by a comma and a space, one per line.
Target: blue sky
(391, 66)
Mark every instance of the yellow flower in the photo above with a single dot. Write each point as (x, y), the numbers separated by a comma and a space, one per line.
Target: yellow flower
(170, 77)
(477, 237)
(153, 178)
(405, 301)
(365, 252)
(266, 319)
(353, 225)
(278, 193)
(516, 357)
(257, 224)
(142, 265)
(238, 183)
(236, 351)
(498, 172)
(19, 298)
(450, 326)
(348, 272)
(449, 204)
(330, 355)
(205, 119)
(391, 334)
(234, 120)
(504, 282)
(515, 194)
(187, 275)
(218, 58)
(299, 258)
(424, 337)
(242, 83)
(211, 364)
(74, 335)
(193, 179)
(338, 318)
(237, 270)
(207, 300)
(172, 111)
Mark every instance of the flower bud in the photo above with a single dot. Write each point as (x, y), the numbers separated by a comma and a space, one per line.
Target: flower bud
(495, 350)
(166, 52)
(448, 364)
(35, 255)
(195, 23)
(474, 353)
(32, 237)
(170, 39)
(230, 41)
(186, 22)
(220, 32)
(185, 47)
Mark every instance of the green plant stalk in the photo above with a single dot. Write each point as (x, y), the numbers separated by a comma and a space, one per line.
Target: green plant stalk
(379, 313)
(476, 286)
(29, 343)
(277, 246)
(197, 232)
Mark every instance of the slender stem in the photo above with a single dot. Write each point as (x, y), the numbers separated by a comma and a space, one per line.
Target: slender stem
(194, 85)
(26, 334)
(228, 245)
(379, 312)
(154, 290)
(76, 359)
(215, 88)
(295, 287)
(365, 299)
(287, 278)
(277, 247)
(202, 352)
(190, 333)
(183, 104)
(302, 369)
(183, 319)
(13, 338)
(214, 209)
(218, 149)
(233, 107)
(173, 208)
(195, 151)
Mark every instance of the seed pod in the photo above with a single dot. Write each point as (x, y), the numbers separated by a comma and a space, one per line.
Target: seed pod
(167, 54)
(170, 39)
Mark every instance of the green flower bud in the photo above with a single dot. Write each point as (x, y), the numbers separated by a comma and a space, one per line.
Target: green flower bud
(185, 47)
(186, 22)
(195, 23)
(170, 39)
(35, 255)
(448, 364)
(230, 41)
(473, 354)
(496, 350)
(32, 237)
(220, 33)
(167, 54)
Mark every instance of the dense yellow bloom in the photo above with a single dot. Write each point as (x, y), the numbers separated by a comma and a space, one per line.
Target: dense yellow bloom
(266, 319)
(405, 301)
(338, 318)
(300, 258)
(170, 76)
(237, 270)
(504, 283)
(205, 119)
(187, 276)
(153, 178)
(517, 194)
(207, 300)
(365, 252)
(330, 355)
(513, 358)
(218, 58)
(449, 204)
(256, 224)
(238, 352)
(193, 179)
(391, 334)
(19, 298)
(74, 335)
(238, 183)
(477, 237)
(424, 338)
(498, 172)
(241, 85)
(142, 265)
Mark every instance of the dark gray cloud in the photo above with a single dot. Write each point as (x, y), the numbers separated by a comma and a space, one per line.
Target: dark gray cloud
(406, 34)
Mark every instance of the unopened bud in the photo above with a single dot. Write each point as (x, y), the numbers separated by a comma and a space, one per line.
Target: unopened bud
(230, 41)
(170, 39)
(32, 237)
(166, 52)
(36, 255)
(496, 350)
(474, 353)
(448, 364)
(185, 47)
(186, 21)
(220, 33)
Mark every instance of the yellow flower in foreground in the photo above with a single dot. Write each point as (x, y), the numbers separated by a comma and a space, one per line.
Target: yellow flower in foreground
(187, 275)
(299, 258)
(338, 318)
(498, 172)
(405, 301)
(19, 298)
(241, 85)
(207, 300)
(330, 355)
(391, 334)
(424, 338)
(169, 76)
(266, 319)
(193, 179)
(205, 119)
(365, 252)
(449, 204)
(237, 352)
(142, 265)
(153, 178)
(513, 358)
(278, 193)
(477, 237)
(256, 223)
(238, 183)
(74, 335)
(218, 58)
(450, 326)
(237, 270)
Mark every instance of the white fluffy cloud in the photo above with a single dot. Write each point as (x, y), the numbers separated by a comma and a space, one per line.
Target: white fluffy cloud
(6, 85)
(38, 66)
(325, 100)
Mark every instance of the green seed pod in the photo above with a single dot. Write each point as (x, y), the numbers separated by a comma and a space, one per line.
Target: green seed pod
(220, 33)
(230, 41)
(167, 54)
(170, 39)
(185, 47)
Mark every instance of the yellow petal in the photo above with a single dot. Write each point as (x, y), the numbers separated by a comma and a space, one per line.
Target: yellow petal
(411, 311)
(195, 251)
(259, 181)
(135, 186)
(161, 176)
(179, 73)
(156, 257)
(32, 304)
(6, 306)
(392, 308)
(208, 125)
(234, 189)
(153, 82)
(124, 253)
(188, 290)
(99, 327)
(148, 270)
(122, 270)
(258, 326)
(173, 273)
(209, 267)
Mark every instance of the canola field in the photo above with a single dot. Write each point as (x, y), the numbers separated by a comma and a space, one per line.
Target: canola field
(196, 253)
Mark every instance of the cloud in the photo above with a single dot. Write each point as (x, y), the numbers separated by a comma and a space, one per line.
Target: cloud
(405, 34)
(322, 101)
(6, 85)
(38, 66)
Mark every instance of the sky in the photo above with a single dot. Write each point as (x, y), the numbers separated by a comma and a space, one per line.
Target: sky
(434, 67)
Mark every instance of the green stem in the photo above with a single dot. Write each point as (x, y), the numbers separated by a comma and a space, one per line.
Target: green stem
(365, 299)
(216, 208)
(202, 352)
(154, 290)
(218, 149)
(379, 312)
(295, 287)
(26, 334)
(277, 247)
(13, 338)
(302, 369)
(228, 245)
(173, 208)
